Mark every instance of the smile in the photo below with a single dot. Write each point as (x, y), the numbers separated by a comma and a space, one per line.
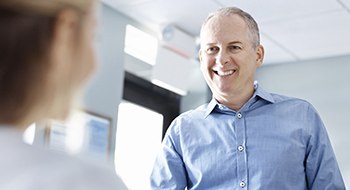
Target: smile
(224, 73)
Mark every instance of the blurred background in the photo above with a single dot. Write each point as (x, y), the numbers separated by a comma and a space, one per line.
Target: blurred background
(149, 73)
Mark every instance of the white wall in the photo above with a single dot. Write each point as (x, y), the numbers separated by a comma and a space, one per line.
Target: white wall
(326, 84)
(198, 92)
(104, 91)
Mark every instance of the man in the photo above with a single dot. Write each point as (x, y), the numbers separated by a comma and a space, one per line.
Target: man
(245, 138)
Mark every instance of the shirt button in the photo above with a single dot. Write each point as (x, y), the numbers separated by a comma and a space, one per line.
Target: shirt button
(240, 148)
(239, 115)
(242, 184)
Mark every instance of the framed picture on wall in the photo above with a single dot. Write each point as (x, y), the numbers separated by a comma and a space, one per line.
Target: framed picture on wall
(83, 133)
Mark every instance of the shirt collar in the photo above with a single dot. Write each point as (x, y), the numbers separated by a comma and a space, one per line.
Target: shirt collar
(212, 104)
(259, 91)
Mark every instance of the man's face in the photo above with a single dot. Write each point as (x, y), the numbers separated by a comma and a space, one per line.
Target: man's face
(228, 58)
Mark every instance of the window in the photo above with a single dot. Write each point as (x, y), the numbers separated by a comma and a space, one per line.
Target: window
(141, 45)
(143, 118)
(138, 139)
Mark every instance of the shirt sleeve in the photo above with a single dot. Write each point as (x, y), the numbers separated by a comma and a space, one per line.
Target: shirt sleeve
(168, 171)
(322, 171)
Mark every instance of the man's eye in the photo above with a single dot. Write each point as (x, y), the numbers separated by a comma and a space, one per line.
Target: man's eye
(235, 47)
(212, 50)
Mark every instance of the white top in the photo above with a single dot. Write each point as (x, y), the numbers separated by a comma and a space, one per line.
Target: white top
(25, 167)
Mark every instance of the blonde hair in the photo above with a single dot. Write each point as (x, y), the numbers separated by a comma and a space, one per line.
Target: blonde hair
(46, 6)
(26, 33)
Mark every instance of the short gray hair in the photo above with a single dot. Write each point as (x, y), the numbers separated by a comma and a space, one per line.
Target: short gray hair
(249, 20)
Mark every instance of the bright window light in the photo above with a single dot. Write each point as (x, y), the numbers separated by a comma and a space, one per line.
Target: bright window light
(29, 134)
(138, 139)
(68, 136)
(169, 87)
(141, 45)
(84, 133)
(75, 133)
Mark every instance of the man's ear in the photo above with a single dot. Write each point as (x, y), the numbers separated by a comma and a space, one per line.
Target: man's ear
(260, 53)
(200, 55)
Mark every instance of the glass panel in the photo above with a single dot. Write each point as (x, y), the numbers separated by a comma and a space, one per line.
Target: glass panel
(138, 139)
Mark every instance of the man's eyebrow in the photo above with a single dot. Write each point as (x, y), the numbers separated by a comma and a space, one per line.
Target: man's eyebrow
(235, 42)
(230, 43)
(210, 44)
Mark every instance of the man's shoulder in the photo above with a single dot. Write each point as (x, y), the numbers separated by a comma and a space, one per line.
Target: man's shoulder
(278, 98)
(283, 102)
(196, 113)
(191, 116)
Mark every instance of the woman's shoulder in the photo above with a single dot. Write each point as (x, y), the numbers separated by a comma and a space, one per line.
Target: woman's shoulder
(29, 167)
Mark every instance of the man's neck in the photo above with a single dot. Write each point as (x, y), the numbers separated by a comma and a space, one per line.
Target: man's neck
(236, 101)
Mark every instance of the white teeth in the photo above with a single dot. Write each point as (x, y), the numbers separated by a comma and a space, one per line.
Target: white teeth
(221, 73)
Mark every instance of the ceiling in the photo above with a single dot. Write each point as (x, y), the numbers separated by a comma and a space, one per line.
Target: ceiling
(291, 30)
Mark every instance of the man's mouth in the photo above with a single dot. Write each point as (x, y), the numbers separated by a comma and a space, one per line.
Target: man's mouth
(224, 73)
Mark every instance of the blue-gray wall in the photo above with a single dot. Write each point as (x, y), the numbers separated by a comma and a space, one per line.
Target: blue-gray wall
(104, 91)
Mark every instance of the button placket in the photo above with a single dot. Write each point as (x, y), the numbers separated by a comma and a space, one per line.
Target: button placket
(242, 164)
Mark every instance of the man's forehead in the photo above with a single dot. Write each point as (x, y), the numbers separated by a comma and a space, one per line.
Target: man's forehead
(222, 23)
(228, 28)
(224, 20)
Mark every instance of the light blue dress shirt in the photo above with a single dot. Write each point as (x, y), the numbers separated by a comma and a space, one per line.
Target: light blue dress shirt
(272, 143)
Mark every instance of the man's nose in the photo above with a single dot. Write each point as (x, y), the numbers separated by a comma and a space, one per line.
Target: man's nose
(222, 57)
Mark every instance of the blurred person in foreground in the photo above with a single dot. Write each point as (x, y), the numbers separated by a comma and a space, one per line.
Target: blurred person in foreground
(245, 138)
(46, 55)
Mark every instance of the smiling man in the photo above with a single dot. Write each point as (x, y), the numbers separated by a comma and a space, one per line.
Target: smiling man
(245, 138)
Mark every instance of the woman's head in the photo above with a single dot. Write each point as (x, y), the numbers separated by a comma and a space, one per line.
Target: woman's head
(46, 54)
